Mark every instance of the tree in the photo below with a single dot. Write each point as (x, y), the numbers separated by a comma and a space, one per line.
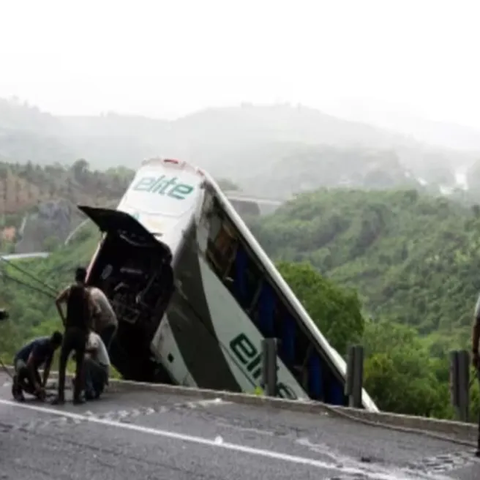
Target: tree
(400, 374)
(80, 169)
(50, 244)
(336, 311)
(70, 193)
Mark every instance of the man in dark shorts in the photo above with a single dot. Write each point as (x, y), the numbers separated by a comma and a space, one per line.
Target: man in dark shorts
(28, 360)
(78, 323)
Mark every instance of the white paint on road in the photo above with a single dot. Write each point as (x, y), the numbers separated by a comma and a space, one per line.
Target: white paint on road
(211, 443)
(256, 431)
(141, 411)
(205, 403)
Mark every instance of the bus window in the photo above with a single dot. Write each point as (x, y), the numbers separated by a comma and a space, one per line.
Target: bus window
(253, 279)
(221, 250)
(302, 345)
(265, 310)
(316, 379)
(295, 346)
(247, 280)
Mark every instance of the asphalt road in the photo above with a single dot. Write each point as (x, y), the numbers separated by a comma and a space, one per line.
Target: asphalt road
(146, 435)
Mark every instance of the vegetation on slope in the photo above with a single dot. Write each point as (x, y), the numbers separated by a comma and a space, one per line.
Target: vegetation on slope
(28, 289)
(336, 311)
(32, 310)
(38, 204)
(414, 259)
(24, 186)
(401, 373)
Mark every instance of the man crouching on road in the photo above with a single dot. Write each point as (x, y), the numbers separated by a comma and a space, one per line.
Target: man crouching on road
(96, 367)
(27, 361)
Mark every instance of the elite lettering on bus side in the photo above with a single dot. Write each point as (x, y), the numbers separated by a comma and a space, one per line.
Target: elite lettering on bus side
(164, 186)
(245, 351)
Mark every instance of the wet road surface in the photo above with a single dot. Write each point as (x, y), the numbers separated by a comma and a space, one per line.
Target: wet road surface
(147, 435)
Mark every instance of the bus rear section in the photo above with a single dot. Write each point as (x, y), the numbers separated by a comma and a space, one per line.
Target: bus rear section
(134, 262)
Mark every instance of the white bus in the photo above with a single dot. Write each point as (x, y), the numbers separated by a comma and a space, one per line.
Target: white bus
(195, 293)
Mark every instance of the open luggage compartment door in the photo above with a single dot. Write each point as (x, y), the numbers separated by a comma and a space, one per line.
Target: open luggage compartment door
(116, 221)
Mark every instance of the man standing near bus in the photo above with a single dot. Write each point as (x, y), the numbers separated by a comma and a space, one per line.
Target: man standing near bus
(78, 324)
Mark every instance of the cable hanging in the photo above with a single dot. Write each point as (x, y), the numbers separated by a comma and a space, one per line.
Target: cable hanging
(28, 274)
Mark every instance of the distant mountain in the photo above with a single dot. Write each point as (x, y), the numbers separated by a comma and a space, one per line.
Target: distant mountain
(251, 145)
(211, 137)
(282, 123)
(219, 128)
(445, 135)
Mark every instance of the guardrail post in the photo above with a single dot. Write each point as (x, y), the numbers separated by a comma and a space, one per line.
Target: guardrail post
(460, 381)
(269, 366)
(354, 377)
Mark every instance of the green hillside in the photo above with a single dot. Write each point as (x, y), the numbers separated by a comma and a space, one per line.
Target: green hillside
(30, 302)
(413, 259)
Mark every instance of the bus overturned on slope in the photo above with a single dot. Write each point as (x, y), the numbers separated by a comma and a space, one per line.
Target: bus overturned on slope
(195, 293)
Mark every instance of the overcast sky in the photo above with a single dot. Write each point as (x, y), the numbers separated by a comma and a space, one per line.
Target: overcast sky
(168, 58)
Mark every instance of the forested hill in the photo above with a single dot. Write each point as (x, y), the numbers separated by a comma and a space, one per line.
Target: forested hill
(413, 259)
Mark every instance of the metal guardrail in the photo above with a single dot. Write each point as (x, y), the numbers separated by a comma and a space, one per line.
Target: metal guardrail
(236, 197)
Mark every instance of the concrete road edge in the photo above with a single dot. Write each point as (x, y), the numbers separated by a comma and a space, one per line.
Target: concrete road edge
(448, 427)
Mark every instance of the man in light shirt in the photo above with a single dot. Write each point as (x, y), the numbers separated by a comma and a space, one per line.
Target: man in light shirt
(105, 320)
(96, 367)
